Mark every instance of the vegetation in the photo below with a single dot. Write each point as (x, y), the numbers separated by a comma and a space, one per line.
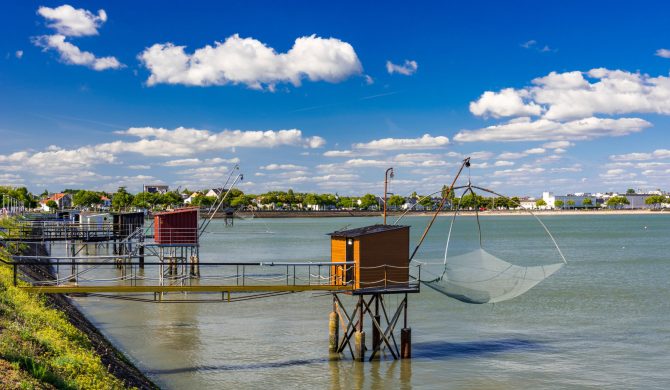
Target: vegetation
(656, 200)
(540, 203)
(52, 205)
(617, 202)
(558, 204)
(40, 348)
(587, 202)
(571, 203)
(85, 198)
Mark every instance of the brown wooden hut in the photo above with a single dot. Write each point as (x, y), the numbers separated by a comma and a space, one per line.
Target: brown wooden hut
(380, 253)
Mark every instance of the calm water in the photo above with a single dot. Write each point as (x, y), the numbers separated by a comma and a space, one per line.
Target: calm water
(602, 321)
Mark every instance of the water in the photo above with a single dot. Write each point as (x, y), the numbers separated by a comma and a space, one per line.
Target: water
(602, 321)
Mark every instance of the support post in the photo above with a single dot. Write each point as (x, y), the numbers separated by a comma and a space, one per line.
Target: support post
(376, 336)
(333, 329)
(405, 337)
(359, 336)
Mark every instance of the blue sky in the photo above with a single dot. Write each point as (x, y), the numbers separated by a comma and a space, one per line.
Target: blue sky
(562, 97)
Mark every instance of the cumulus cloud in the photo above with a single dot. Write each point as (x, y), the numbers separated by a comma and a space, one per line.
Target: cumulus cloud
(557, 145)
(425, 142)
(73, 22)
(187, 141)
(665, 53)
(250, 62)
(656, 154)
(55, 160)
(408, 68)
(71, 54)
(525, 129)
(339, 153)
(507, 102)
(570, 95)
(282, 167)
(19, 54)
(196, 161)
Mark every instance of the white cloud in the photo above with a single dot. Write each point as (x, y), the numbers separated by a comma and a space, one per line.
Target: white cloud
(196, 161)
(251, 62)
(282, 167)
(507, 102)
(522, 172)
(19, 54)
(665, 53)
(73, 22)
(187, 141)
(570, 95)
(535, 151)
(525, 129)
(425, 142)
(656, 154)
(529, 44)
(503, 163)
(55, 160)
(339, 153)
(408, 68)
(71, 54)
(557, 145)
(139, 166)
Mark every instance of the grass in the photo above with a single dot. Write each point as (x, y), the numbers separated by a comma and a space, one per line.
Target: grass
(40, 347)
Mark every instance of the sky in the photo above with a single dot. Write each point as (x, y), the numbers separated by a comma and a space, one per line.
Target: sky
(543, 96)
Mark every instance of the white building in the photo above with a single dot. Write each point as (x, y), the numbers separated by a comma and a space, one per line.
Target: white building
(578, 200)
(62, 200)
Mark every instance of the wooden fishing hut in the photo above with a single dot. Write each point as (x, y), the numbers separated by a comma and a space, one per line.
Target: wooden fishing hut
(126, 224)
(176, 237)
(380, 256)
(380, 253)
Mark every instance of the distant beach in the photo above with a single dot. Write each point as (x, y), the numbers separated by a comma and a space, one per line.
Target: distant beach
(354, 213)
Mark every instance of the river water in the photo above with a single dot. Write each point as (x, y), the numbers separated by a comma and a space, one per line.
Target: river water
(601, 321)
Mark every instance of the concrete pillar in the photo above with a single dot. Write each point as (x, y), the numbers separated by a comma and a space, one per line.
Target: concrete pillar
(333, 331)
(406, 343)
(359, 345)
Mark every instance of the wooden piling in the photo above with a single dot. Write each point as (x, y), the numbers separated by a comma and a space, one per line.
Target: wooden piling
(333, 331)
(359, 346)
(406, 343)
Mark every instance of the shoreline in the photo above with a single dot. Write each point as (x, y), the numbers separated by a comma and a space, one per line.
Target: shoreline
(348, 213)
(114, 360)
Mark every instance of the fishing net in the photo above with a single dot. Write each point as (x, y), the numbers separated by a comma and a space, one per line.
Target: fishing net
(478, 276)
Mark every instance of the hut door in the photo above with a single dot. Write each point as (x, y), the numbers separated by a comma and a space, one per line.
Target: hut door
(350, 257)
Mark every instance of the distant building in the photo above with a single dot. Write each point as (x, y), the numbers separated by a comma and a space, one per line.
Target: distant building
(578, 200)
(190, 198)
(412, 204)
(63, 201)
(106, 202)
(156, 189)
(528, 203)
(216, 192)
(637, 201)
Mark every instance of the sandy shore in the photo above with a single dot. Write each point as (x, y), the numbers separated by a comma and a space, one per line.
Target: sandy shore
(347, 213)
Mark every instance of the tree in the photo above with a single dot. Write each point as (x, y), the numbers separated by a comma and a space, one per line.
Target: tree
(617, 201)
(85, 198)
(368, 200)
(170, 199)
(121, 199)
(312, 200)
(515, 202)
(427, 202)
(630, 191)
(571, 203)
(655, 200)
(558, 204)
(52, 205)
(587, 202)
(540, 203)
(395, 201)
